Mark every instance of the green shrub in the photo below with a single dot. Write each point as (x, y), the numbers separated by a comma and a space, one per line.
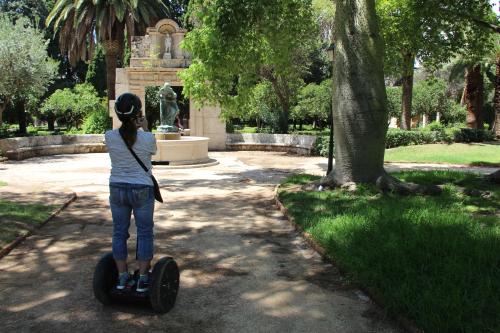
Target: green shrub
(394, 101)
(321, 146)
(435, 126)
(229, 127)
(396, 137)
(97, 122)
(455, 113)
(473, 135)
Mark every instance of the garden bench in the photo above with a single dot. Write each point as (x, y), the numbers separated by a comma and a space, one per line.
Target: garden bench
(27, 147)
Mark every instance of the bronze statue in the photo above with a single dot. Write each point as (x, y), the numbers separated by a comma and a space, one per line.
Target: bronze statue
(168, 109)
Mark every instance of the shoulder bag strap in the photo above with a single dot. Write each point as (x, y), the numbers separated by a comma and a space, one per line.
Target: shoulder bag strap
(134, 154)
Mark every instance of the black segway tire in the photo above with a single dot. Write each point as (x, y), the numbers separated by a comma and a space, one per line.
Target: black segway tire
(105, 277)
(164, 285)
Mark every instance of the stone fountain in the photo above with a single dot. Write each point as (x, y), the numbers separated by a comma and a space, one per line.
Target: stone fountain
(175, 145)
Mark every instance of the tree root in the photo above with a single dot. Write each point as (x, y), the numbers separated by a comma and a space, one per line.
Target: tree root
(494, 177)
(384, 183)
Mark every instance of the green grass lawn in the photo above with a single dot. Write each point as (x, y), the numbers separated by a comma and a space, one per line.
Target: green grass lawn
(18, 219)
(456, 153)
(2, 183)
(434, 259)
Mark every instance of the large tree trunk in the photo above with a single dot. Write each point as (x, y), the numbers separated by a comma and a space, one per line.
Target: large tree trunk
(111, 48)
(474, 96)
(21, 115)
(496, 99)
(359, 98)
(406, 98)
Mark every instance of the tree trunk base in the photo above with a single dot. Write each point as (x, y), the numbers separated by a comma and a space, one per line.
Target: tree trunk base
(384, 183)
(494, 177)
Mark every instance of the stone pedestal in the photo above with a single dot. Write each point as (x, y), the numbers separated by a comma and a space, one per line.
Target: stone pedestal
(186, 151)
(168, 136)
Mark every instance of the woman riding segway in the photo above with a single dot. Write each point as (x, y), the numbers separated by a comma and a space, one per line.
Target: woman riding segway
(131, 188)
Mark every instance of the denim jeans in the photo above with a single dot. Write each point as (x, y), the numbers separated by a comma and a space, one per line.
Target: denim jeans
(124, 199)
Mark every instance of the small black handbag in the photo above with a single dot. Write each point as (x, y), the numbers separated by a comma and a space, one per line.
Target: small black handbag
(155, 183)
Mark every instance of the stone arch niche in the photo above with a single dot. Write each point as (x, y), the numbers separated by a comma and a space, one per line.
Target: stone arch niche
(149, 66)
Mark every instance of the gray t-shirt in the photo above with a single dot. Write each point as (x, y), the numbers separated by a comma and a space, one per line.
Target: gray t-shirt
(124, 167)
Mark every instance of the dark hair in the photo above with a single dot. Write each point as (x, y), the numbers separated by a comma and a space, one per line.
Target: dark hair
(128, 130)
(127, 107)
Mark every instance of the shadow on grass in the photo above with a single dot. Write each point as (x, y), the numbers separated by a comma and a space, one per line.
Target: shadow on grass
(426, 257)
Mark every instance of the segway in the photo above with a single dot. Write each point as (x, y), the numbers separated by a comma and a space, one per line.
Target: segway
(162, 291)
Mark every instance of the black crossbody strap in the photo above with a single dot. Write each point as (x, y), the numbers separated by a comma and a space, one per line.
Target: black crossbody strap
(135, 156)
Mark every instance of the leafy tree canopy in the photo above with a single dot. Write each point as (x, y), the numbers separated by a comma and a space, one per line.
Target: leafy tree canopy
(237, 44)
(433, 30)
(26, 69)
(73, 105)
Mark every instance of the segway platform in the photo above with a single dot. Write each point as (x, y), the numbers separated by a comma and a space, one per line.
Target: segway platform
(163, 287)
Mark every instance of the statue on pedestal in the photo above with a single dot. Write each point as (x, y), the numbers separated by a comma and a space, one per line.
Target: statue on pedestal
(168, 109)
(168, 47)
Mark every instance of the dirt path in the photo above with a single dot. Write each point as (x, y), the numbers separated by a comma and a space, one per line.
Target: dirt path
(243, 269)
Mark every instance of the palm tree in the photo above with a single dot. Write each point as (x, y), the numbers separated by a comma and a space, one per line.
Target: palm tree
(82, 23)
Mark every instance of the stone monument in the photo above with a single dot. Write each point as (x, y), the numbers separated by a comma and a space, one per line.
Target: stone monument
(168, 47)
(168, 108)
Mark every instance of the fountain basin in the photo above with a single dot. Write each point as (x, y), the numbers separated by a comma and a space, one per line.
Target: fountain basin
(189, 150)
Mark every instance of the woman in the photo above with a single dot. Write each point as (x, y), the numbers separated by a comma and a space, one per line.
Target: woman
(131, 188)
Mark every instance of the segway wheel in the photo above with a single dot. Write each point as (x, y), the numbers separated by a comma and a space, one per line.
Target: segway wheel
(105, 277)
(164, 285)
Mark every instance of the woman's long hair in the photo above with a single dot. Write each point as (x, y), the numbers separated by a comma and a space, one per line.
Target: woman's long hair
(128, 131)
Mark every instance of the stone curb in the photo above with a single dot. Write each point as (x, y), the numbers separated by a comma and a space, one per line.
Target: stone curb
(9, 247)
(406, 324)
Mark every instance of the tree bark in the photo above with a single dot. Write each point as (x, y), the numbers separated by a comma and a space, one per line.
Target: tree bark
(406, 98)
(474, 96)
(360, 103)
(111, 48)
(496, 98)
(359, 97)
(21, 116)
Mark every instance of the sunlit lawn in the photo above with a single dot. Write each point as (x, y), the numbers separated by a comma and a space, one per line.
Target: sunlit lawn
(18, 219)
(456, 153)
(434, 259)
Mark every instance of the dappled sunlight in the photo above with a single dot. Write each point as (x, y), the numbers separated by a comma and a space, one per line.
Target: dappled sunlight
(38, 302)
(241, 263)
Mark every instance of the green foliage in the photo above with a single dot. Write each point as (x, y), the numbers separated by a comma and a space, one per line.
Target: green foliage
(455, 113)
(396, 138)
(79, 24)
(473, 135)
(435, 134)
(394, 101)
(322, 145)
(153, 106)
(432, 30)
(96, 72)
(73, 105)
(97, 122)
(238, 44)
(433, 259)
(25, 68)
(429, 97)
(314, 102)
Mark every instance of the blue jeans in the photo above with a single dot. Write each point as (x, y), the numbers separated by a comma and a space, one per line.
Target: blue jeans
(124, 199)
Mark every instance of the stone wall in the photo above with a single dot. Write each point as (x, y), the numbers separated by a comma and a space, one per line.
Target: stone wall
(22, 148)
(298, 144)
